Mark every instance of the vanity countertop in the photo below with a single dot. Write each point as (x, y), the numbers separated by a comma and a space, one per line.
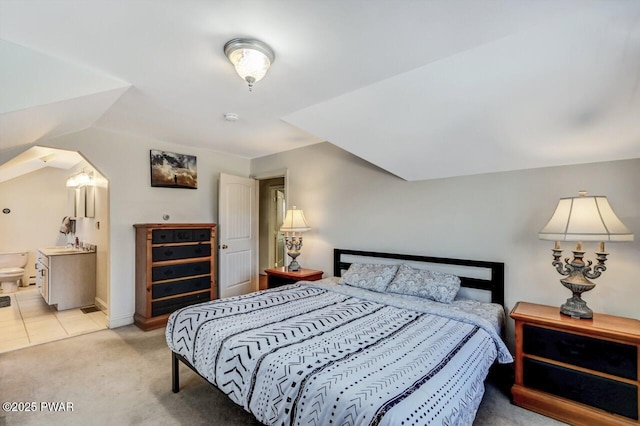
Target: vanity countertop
(62, 250)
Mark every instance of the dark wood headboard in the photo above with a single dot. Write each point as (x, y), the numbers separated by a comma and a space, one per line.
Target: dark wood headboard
(495, 284)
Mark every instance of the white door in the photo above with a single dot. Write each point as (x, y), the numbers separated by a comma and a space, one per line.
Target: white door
(237, 235)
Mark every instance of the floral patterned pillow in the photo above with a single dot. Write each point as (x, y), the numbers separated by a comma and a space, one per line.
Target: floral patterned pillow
(370, 276)
(432, 285)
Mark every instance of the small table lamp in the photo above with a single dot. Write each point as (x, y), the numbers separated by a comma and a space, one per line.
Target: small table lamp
(293, 226)
(581, 219)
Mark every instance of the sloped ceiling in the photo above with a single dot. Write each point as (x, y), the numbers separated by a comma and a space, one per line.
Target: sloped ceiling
(423, 89)
(43, 96)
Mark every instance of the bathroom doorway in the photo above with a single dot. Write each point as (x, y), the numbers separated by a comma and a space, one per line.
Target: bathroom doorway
(272, 208)
(40, 200)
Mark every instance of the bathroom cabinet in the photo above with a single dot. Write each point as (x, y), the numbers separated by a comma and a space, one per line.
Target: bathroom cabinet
(66, 279)
(175, 267)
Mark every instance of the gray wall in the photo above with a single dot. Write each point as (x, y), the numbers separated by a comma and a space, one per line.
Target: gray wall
(350, 203)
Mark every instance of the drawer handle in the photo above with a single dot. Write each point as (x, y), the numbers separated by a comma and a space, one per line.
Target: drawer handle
(168, 252)
(168, 272)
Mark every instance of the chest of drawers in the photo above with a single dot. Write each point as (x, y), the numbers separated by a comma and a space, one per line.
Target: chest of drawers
(583, 372)
(175, 267)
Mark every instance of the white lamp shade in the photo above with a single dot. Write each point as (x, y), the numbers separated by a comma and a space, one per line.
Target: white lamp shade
(585, 219)
(294, 221)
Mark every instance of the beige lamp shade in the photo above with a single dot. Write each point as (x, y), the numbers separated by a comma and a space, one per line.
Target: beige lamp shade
(294, 221)
(585, 218)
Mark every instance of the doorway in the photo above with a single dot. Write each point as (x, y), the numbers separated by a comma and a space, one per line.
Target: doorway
(37, 185)
(272, 209)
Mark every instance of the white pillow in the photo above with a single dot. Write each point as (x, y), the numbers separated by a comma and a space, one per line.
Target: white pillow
(432, 285)
(369, 276)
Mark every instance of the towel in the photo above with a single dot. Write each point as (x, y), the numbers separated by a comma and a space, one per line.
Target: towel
(67, 225)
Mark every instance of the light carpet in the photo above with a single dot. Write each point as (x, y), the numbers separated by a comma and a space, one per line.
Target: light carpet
(123, 377)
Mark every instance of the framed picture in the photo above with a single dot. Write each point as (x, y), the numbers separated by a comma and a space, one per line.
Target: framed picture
(171, 170)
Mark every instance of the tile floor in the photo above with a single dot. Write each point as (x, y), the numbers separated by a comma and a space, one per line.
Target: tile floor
(30, 321)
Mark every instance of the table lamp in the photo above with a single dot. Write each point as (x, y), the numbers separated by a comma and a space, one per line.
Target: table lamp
(293, 226)
(582, 218)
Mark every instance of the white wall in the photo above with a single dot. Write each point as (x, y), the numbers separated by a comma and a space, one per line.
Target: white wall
(38, 202)
(124, 160)
(350, 203)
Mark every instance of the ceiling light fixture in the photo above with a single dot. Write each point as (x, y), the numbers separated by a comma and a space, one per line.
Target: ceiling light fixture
(251, 58)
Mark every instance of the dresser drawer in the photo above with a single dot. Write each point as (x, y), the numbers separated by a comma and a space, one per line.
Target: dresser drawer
(159, 273)
(609, 395)
(181, 286)
(167, 306)
(180, 252)
(202, 234)
(599, 355)
(160, 236)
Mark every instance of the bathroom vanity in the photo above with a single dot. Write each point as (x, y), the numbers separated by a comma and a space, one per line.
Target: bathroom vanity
(66, 277)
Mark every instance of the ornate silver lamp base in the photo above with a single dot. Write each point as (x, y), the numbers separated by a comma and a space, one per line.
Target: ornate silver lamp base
(294, 244)
(578, 274)
(575, 307)
(294, 265)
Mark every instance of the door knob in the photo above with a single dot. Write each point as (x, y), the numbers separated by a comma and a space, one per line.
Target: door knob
(224, 246)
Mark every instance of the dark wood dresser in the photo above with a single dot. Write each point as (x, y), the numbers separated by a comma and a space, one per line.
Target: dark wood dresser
(281, 276)
(583, 372)
(175, 267)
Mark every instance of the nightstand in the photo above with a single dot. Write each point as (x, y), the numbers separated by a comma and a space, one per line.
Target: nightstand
(583, 372)
(281, 276)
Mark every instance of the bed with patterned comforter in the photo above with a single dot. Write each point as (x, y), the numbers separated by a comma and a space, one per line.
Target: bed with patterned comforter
(327, 354)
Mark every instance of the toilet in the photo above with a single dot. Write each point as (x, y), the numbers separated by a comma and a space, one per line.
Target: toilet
(12, 270)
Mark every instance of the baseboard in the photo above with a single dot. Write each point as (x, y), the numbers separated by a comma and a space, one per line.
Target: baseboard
(121, 321)
(100, 304)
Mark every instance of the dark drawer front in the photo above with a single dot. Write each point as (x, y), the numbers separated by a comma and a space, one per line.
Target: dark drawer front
(202, 234)
(275, 281)
(167, 306)
(159, 273)
(178, 287)
(609, 395)
(159, 236)
(600, 355)
(183, 235)
(181, 252)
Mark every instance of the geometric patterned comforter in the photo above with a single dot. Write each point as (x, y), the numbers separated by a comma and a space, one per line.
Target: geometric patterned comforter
(307, 354)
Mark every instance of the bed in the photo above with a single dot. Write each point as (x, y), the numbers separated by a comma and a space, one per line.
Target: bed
(356, 348)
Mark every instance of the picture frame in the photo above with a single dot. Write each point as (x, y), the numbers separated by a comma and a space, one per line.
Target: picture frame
(172, 170)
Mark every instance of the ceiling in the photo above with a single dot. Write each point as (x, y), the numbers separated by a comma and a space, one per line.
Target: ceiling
(423, 89)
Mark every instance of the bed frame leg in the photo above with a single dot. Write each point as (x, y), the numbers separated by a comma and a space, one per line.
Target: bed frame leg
(175, 374)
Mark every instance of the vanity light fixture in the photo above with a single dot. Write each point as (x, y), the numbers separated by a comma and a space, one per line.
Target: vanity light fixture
(81, 178)
(251, 58)
(582, 219)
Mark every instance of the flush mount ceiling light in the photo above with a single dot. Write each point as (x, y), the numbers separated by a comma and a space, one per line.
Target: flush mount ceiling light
(251, 58)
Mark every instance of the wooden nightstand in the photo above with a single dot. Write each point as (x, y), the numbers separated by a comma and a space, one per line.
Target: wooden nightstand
(281, 276)
(583, 372)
